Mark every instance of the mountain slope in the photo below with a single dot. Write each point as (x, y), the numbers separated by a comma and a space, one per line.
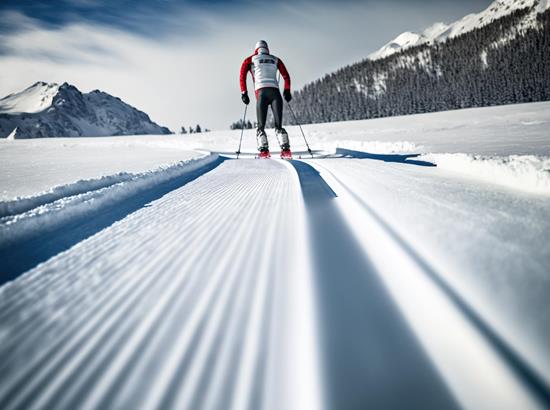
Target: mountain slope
(440, 32)
(52, 110)
(505, 61)
(36, 98)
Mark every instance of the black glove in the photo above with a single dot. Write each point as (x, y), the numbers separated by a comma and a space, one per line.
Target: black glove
(288, 95)
(245, 98)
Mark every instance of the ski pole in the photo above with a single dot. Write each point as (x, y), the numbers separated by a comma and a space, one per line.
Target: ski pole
(303, 135)
(242, 130)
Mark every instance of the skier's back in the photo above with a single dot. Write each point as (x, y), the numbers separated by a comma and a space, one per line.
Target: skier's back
(263, 67)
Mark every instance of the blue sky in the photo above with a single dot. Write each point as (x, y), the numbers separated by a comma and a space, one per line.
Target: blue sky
(179, 60)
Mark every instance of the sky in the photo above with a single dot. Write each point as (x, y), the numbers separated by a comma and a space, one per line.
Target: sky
(179, 60)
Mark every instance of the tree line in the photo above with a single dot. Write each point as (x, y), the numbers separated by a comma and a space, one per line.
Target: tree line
(239, 125)
(193, 130)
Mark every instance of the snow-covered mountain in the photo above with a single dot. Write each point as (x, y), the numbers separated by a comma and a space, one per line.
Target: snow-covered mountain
(439, 32)
(52, 110)
(499, 56)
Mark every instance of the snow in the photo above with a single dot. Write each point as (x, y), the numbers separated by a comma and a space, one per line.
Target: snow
(12, 135)
(493, 131)
(483, 57)
(487, 241)
(522, 172)
(408, 259)
(543, 5)
(379, 86)
(36, 98)
(401, 42)
(181, 283)
(399, 213)
(437, 30)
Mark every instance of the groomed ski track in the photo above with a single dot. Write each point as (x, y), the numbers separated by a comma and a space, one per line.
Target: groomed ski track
(254, 284)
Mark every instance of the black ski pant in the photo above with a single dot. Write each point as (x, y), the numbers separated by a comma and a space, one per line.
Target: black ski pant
(265, 97)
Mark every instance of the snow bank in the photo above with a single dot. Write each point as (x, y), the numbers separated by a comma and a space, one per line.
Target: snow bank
(523, 172)
(48, 210)
(23, 204)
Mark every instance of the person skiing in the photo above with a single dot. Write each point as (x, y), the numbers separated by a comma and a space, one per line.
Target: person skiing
(263, 67)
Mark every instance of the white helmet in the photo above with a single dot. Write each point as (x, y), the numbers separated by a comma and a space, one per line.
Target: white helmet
(261, 47)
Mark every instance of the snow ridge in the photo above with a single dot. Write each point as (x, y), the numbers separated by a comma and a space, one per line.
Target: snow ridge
(23, 204)
(61, 204)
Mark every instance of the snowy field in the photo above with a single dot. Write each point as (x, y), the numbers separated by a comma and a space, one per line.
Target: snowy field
(408, 262)
(507, 130)
(33, 166)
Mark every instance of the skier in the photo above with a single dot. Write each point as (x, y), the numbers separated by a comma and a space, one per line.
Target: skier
(263, 67)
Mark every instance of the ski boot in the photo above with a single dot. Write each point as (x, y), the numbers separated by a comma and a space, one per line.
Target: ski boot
(263, 145)
(282, 137)
(264, 154)
(286, 154)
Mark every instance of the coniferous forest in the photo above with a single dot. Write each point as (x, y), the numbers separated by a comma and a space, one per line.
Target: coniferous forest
(500, 63)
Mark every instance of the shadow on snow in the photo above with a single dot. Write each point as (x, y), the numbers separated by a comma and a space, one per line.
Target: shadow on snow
(398, 158)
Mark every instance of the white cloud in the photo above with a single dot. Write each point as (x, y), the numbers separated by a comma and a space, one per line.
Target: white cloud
(187, 78)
